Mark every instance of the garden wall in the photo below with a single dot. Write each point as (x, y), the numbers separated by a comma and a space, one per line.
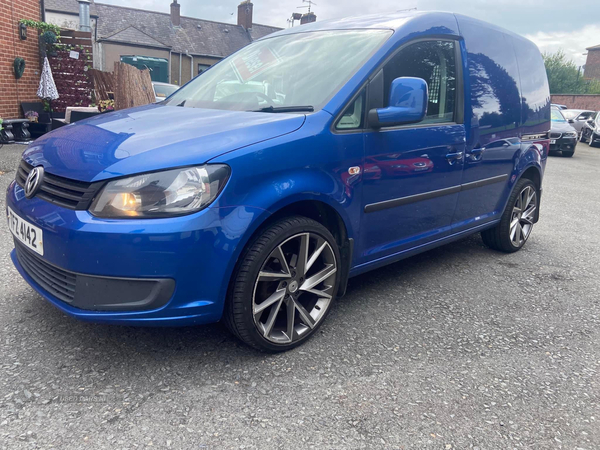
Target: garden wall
(14, 91)
(590, 101)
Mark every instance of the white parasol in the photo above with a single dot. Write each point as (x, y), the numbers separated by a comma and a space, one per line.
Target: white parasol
(47, 89)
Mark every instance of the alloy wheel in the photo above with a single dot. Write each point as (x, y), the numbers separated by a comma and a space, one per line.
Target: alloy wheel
(523, 216)
(294, 288)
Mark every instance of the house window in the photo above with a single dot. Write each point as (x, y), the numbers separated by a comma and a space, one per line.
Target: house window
(202, 68)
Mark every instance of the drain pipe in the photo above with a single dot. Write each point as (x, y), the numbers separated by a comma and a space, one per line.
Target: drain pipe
(170, 56)
(192, 68)
(180, 61)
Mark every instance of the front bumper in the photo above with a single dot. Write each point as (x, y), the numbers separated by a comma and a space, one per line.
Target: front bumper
(564, 145)
(134, 272)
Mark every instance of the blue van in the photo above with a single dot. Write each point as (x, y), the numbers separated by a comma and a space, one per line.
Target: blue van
(313, 155)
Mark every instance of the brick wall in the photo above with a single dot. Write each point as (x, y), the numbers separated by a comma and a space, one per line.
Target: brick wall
(592, 65)
(591, 102)
(12, 91)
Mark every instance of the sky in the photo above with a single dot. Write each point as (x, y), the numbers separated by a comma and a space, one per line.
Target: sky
(551, 24)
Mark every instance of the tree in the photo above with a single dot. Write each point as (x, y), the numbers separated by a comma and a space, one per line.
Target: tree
(565, 77)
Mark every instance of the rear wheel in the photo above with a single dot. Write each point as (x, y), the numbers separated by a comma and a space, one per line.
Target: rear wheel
(516, 223)
(285, 285)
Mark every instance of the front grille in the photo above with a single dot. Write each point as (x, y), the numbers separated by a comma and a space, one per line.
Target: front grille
(56, 281)
(555, 135)
(61, 191)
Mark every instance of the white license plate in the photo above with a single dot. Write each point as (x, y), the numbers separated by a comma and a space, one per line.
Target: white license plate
(553, 141)
(30, 235)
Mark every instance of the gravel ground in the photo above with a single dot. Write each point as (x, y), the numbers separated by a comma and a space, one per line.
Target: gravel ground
(460, 347)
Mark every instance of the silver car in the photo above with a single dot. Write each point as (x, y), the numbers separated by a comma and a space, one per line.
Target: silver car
(163, 90)
(577, 118)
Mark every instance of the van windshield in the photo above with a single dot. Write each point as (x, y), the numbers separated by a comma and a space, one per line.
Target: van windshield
(296, 72)
(557, 116)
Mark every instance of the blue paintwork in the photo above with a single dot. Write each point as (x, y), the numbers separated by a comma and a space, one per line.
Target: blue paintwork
(150, 138)
(277, 160)
(408, 102)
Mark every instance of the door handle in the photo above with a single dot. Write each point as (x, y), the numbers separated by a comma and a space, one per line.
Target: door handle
(476, 154)
(453, 157)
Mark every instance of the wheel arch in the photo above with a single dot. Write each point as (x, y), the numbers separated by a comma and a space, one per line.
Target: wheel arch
(532, 172)
(321, 210)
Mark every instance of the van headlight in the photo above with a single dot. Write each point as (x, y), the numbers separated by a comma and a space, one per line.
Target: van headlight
(161, 194)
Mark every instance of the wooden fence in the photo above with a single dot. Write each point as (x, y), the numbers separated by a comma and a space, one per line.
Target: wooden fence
(104, 85)
(133, 87)
(70, 65)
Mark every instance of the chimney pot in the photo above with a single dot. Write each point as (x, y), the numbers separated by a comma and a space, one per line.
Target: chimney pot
(245, 10)
(176, 14)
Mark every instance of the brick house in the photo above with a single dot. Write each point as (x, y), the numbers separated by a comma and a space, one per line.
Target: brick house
(176, 48)
(11, 46)
(592, 64)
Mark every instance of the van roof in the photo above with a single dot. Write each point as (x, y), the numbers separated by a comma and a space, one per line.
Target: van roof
(393, 21)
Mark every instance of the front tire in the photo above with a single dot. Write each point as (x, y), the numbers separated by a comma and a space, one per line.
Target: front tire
(516, 223)
(284, 286)
(592, 143)
(568, 154)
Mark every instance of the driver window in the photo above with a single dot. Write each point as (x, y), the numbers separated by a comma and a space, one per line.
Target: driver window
(433, 61)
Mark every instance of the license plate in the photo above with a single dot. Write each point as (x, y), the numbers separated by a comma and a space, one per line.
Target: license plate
(553, 141)
(29, 235)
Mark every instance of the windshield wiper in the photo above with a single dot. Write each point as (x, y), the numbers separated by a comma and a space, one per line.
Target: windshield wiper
(284, 109)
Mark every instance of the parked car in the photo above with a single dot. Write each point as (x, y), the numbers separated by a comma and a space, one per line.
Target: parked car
(563, 137)
(590, 133)
(256, 207)
(577, 118)
(163, 90)
(561, 107)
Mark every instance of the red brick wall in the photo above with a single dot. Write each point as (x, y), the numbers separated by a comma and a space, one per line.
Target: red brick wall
(591, 102)
(592, 65)
(13, 91)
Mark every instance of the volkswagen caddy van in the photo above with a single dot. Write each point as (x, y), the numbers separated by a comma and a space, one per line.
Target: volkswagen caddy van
(315, 154)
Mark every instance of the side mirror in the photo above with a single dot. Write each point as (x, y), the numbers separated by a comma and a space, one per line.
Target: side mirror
(571, 121)
(590, 121)
(408, 104)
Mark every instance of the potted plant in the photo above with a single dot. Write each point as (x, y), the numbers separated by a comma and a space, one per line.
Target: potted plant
(32, 116)
(106, 106)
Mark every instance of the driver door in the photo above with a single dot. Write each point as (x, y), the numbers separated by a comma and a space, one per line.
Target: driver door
(412, 200)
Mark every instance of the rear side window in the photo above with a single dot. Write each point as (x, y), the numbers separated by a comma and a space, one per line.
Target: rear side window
(433, 61)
